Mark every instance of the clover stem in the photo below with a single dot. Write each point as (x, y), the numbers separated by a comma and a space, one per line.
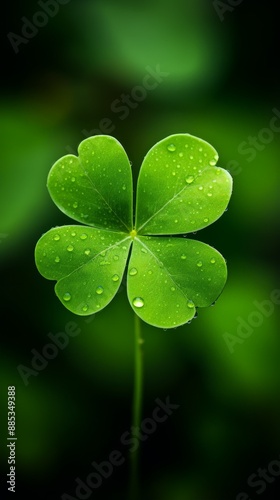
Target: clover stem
(137, 406)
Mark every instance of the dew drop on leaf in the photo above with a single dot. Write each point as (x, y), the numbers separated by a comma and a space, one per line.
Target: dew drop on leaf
(171, 147)
(87, 251)
(189, 179)
(73, 233)
(133, 271)
(116, 257)
(183, 256)
(56, 237)
(70, 248)
(212, 162)
(57, 259)
(190, 304)
(83, 236)
(138, 302)
(85, 308)
(200, 188)
(212, 261)
(99, 290)
(206, 219)
(199, 263)
(67, 297)
(75, 205)
(209, 194)
(73, 179)
(143, 250)
(115, 277)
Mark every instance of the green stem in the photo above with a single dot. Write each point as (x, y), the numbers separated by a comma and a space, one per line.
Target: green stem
(137, 406)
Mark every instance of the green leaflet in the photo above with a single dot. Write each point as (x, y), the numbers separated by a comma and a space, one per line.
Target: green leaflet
(179, 190)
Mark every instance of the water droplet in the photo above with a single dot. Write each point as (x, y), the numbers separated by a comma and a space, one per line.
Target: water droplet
(200, 188)
(87, 251)
(70, 248)
(176, 221)
(190, 304)
(56, 237)
(173, 173)
(206, 219)
(85, 308)
(124, 187)
(83, 236)
(171, 147)
(115, 278)
(218, 171)
(150, 272)
(133, 271)
(75, 205)
(189, 179)
(181, 155)
(199, 263)
(213, 261)
(67, 297)
(209, 194)
(73, 233)
(212, 162)
(73, 179)
(57, 259)
(143, 250)
(191, 157)
(99, 290)
(173, 289)
(200, 150)
(209, 279)
(183, 256)
(138, 302)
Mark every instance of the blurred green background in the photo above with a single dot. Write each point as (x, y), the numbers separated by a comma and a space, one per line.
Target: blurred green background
(220, 81)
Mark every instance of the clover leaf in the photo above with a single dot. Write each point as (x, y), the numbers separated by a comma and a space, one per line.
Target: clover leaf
(180, 190)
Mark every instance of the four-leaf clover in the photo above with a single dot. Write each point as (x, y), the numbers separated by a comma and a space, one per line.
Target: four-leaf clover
(180, 190)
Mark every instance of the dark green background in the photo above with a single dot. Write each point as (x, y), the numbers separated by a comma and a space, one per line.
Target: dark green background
(222, 86)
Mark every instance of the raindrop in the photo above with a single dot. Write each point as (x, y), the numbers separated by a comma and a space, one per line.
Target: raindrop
(99, 290)
(173, 289)
(190, 304)
(138, 302)
(189, 179)
(171, 148)
(209, 194)
(150, 272)
(70, 248)
(212, 163)
(57, 259)
(183, 256)
(116, 257)
(143, 250)
(73, 233)
(199, 263)
(181, 155)
(206, 219)
(67, 297)
(73, 179)
(191, 157)
(213, 261)
(133, 271)
(83, 236)
(200, 188)
(87, 251)
(56, 237)
(75, 205)
(124, 187)
(85, 308)
(115, 277)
